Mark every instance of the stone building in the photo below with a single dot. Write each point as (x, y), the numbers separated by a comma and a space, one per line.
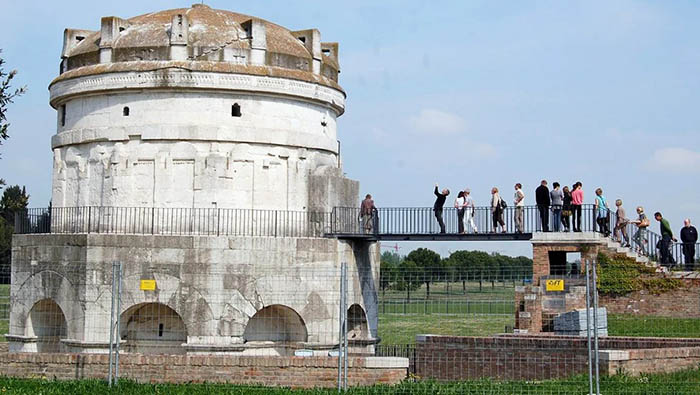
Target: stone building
(188, 113)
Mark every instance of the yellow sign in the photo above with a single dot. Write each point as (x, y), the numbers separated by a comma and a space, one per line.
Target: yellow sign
(148, 285)
(555, 285)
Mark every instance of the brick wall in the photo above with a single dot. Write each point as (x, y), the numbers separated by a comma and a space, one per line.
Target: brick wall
(540, 257)
(537, 357)
(680, 303)
(304, 372)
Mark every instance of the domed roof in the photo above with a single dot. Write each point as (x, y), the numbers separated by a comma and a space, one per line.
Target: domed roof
(143, 43)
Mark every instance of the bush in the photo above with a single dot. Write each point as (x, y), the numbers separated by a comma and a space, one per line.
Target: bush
(622, 275)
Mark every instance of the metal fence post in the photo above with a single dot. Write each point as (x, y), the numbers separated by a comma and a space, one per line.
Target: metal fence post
(588, 326)
(595, 325)
(115, 319)
(111, 324)
(119, 307)
(345, 325)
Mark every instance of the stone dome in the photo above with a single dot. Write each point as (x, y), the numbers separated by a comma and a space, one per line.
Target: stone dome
(199, 39)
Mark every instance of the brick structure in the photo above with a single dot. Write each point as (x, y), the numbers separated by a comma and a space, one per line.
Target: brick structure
(538, 357)
(535, 307)
(304, 372)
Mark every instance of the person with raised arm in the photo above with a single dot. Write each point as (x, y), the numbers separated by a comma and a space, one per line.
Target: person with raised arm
(440, 198)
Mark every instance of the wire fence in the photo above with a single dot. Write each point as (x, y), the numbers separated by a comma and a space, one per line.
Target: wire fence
(461, 333)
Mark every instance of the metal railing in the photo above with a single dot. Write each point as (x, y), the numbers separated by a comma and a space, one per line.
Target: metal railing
(648, 243)
(422, 220)
(173, 221)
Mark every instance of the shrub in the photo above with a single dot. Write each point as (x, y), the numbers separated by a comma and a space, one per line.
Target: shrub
(621, 275)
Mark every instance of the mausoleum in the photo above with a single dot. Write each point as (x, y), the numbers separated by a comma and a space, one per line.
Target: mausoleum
(198, 148)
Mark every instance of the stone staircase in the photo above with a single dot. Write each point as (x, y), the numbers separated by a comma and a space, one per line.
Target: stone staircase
(617, 248)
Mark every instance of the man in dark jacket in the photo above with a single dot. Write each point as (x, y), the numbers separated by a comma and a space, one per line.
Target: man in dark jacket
(439, 202)
(543, 201)
(689, 236)
(666, 239)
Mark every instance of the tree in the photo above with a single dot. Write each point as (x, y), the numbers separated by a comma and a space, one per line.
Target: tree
(430, 263)
(390, 262)
(460, 263)
(14, 199)
(6, 97)
(409, 277)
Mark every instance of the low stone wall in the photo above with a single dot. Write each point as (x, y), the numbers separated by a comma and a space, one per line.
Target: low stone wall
(537, 357)
(306, 372)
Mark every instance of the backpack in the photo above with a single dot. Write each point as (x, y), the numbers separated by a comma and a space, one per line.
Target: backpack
(502, 204)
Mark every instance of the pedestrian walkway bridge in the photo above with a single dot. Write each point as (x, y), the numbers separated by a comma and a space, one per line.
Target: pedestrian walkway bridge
(390, 224)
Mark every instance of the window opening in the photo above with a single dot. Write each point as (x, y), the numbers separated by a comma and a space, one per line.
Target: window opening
(235, 110)
(160, 330)
(125, 111)
(63, 115)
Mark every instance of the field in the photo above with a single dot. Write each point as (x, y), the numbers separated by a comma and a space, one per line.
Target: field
(402, 329)
(687, 382)
(635, 325)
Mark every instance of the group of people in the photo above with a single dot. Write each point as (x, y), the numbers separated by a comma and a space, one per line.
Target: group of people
(565, 206)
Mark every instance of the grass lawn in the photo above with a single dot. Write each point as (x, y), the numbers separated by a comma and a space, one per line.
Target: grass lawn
(687, 382)
(403, 328)
(635, 325)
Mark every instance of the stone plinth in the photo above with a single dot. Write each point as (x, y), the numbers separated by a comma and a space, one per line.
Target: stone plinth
(218, 295)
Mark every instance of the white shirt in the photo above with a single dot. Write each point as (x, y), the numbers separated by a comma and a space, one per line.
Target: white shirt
(459, 202)
(519, 193)
(468, 201)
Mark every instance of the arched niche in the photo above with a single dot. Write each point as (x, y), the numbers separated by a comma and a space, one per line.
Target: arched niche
(153, 328)
(276, 323)
(47, 323)
(357, 323)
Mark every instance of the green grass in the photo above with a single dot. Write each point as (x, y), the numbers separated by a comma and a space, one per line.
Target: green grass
(402, 329)
(635, 325)
(447, 306)
(687, 382)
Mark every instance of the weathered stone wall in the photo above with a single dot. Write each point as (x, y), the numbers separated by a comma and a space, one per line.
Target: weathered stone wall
(184, 149)
(304, 372)
(537, 357)
(214, 285)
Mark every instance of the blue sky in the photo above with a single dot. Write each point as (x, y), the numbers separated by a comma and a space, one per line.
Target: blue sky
(475, 94)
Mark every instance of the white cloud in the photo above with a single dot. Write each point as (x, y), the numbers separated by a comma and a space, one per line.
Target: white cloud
(675, 159)
(431, 121)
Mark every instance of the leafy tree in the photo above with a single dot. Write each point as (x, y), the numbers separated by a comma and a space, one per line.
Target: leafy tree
(409, 277)
(388, 269)
(6, 97)
(430, 263)
(461, 265)
(14, 199)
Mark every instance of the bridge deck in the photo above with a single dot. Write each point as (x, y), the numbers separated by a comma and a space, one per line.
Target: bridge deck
(434, 236)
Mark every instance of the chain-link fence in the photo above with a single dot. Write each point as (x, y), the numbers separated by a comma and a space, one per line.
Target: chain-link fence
(490, 330)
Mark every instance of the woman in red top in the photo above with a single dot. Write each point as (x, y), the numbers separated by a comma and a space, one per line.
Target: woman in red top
(576, 203)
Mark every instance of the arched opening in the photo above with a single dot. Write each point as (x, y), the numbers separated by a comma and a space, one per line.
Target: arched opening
(235, 110)
(47, 322)
(275, 323)
(153, 328)
(357, 323)
(125, 111)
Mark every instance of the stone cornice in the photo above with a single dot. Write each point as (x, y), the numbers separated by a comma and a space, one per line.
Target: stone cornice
(181, 79)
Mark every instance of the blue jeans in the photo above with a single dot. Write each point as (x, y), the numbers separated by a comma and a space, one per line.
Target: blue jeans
(556, 218)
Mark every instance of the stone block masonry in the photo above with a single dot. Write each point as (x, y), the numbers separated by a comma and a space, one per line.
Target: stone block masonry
(302, 372)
